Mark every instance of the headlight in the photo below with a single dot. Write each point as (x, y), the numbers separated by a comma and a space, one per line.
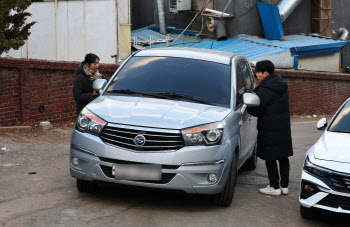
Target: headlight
(89, 122)
(315, 169)
(209, 134)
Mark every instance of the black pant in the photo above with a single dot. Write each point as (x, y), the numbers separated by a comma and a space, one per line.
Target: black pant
(272, 172)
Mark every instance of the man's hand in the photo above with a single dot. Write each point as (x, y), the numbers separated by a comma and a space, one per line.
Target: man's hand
(95, 94)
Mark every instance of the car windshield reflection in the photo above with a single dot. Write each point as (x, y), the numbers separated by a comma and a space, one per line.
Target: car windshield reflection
(176, 78)
(342, 122)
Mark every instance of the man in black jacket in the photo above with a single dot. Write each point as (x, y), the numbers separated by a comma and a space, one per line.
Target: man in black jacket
(87, 72)
(274, 134)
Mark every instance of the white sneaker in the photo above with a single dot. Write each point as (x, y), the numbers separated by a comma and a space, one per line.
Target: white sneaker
(270, 191)
(284, 191)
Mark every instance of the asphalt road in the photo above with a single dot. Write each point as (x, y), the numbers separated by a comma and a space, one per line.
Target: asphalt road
(36, 189)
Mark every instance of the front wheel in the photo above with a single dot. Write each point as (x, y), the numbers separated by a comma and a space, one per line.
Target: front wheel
(251, 163)
(225, 197)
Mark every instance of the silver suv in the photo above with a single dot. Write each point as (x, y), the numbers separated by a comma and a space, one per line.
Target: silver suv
(170, 118)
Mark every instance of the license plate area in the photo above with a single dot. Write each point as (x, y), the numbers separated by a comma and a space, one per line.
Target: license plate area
(137, 172)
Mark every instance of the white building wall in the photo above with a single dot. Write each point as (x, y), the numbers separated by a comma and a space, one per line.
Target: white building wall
(42, 41)
(66, 30)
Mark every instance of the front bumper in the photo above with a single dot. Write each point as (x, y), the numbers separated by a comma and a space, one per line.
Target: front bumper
(186, 169)
(326, 198)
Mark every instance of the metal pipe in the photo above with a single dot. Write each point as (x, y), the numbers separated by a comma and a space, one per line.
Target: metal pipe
(56, 30)
(344, 34)
(286, 7)
(161, 13)
(118, 32)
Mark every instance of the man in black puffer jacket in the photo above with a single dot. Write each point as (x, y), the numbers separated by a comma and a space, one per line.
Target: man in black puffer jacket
(274, 134)
(87, 72)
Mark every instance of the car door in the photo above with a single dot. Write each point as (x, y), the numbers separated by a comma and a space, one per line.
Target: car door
(250, 127)
(244, 122)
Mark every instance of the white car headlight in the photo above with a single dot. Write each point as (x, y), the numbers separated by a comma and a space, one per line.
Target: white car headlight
(89, 122)
(209, 134)
(315, 169)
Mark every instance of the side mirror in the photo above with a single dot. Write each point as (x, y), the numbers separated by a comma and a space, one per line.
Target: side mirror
(322, 124)
(99, 84)
(251, 100)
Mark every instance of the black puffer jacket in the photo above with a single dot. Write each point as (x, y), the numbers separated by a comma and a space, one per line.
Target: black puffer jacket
(274, 136)
(82, 89)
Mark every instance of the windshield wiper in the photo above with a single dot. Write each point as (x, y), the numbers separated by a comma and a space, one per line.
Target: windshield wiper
(128, 91)
(178, 95)
(341, 131)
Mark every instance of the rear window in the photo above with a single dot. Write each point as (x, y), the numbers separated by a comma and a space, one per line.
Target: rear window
(205, 80)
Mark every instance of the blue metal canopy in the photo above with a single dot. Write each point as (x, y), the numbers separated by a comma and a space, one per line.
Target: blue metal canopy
(253, 47)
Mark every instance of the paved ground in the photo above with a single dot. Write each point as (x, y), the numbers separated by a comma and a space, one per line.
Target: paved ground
(36, 189)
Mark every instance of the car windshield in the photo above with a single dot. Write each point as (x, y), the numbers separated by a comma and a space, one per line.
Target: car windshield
(342, 122)
(175, 78)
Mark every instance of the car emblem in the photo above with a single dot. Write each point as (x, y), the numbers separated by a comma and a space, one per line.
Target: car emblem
(140, 140)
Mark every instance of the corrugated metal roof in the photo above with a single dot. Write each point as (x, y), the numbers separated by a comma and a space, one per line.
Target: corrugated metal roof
(250, 46)
(302, 42)
(237, 45)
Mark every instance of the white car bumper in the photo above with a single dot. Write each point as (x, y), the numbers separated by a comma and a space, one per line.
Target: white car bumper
(325, 198)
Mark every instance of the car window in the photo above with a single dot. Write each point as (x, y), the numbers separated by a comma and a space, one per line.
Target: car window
(342, 122)
(247, 75)
(240, 86)
(204, 80)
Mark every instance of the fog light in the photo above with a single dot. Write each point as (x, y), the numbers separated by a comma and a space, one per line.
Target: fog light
(75, 161)
(308, 189)
(212, 177)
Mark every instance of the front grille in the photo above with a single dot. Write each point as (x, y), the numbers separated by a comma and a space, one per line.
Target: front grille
(155, 141)
(340, 182)
(166, 177)
(116, 161)
(336, 201)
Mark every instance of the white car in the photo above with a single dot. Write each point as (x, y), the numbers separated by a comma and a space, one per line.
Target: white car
(325, 179)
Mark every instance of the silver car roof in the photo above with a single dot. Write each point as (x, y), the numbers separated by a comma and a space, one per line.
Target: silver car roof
(188, 52)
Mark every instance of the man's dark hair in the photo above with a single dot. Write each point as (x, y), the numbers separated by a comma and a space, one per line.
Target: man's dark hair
(90, 58)
(265, 66)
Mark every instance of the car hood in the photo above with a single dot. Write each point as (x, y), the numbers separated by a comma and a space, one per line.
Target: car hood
(154, 112)
(333, 146)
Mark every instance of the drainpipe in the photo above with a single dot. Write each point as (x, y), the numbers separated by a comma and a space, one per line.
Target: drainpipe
(286, 7)
(161, 13)
(344, 34)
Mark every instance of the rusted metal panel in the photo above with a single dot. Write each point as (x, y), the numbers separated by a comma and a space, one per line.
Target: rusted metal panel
(322, 17)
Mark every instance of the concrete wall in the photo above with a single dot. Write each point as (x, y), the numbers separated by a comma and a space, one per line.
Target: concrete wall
(340, 16)
(246, 19)
(25, 85)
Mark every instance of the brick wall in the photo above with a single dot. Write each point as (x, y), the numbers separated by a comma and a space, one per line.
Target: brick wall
(315, 92)
(26, 85)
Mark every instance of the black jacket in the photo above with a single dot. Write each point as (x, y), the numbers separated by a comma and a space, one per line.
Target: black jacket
(274, 134)
(82, 88)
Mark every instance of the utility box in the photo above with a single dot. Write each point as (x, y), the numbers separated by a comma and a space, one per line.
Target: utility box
(179, 5)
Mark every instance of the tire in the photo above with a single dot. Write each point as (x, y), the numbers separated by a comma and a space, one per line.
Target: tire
(251, 163)
(225, 197)
(306, 212)
(86, 186)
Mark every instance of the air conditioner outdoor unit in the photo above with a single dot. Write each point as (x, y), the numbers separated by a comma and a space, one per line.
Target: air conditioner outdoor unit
(178, 5)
